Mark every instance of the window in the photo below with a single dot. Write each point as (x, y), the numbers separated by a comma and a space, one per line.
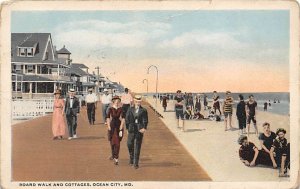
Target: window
(30, 68)
(29, 51)
(22, 51)
(18, 69)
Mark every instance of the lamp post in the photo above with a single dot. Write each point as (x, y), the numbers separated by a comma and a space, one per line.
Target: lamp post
(147, 85)
(156, 83)
(97, 87)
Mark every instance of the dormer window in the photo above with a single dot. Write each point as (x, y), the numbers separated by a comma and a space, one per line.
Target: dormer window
(22, 51)
(28, 49)
(29, 52)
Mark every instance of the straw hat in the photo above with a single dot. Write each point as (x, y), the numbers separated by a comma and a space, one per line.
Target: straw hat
(72, 90)
(90, 90)
(57, 92)
(138, 98)
(105, 90)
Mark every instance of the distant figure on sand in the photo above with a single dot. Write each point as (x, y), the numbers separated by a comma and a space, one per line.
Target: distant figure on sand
(227, 109)
(267, 139)
(270, 103)
(250, 155)
(241, 114)
(72, 109)
(198, 103)
(136, 123)
(58, 120)
(216, 102)
(205, 103)
(282, 152)
(179, 108)
(165, 100)
(266, 106)
(115, 123)
(251, 113)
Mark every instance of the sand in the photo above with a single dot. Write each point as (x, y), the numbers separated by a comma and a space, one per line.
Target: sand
(216, 150)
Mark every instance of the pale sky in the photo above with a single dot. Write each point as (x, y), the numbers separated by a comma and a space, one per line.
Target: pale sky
(199, 51)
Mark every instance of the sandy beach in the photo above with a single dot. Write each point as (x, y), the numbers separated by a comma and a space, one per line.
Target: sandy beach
(216, 150)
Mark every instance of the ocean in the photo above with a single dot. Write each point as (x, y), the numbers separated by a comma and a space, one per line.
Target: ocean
(282, 108)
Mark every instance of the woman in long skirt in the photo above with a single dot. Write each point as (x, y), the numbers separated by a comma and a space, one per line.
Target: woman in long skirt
(58, 120)
(115, 124)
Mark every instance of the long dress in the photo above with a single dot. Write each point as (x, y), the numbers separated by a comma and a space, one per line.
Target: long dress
(113, 135)
(58, 120)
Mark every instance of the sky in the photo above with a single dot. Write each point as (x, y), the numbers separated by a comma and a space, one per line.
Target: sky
(197, 51)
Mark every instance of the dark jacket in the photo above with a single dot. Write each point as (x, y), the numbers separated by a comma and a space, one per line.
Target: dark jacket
(240, 110)
(75, 108)
(142, 117)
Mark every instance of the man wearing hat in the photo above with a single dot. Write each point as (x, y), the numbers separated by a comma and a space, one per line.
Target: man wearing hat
(105, 101)
(136, 125)
(126, 100)
(72, 109)
(91, 100)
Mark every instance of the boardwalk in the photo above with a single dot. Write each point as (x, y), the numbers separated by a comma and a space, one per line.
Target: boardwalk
(38, 158)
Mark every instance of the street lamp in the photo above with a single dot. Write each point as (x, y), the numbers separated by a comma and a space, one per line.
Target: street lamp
(156, 83)
(98, 84)
(147, 85)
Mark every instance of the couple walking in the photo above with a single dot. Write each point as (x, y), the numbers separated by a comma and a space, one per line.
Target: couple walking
(69, 108)
(136, 121)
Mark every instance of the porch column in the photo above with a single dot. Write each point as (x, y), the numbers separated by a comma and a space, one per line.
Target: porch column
(30, 90)
(36, 69)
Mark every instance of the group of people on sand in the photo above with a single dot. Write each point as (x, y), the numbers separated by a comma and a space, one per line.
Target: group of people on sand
(119, 113)
(275, 150)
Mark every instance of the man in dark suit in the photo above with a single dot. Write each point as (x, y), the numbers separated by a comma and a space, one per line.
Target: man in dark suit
(72, 109)
(136, 125)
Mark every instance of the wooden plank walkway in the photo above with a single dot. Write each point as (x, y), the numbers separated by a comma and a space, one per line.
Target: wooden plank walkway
(36, 157)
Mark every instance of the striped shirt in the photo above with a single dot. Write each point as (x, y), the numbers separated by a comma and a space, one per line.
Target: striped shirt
(228, 105)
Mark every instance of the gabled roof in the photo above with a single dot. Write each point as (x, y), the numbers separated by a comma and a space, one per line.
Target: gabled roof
(27, 40)
(63, 51)
(75, 69)
(79, 65)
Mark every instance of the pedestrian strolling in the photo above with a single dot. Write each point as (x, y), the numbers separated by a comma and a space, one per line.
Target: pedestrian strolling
(58, 120)
(115, 124)
(72, 109)
(136, 125)
(91, 105)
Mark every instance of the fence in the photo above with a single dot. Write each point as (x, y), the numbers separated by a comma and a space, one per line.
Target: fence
(31, 108)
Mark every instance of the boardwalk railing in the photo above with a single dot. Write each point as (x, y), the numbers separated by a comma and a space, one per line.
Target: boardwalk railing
(31, 108)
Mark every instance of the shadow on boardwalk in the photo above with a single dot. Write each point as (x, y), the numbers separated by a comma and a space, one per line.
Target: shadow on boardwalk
(36, 157)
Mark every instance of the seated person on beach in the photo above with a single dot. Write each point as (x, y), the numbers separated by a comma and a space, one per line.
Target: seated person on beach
(250, 155)
(266, 138)
(198, 115)
(211, 115)
(188, 113)
(280, 152)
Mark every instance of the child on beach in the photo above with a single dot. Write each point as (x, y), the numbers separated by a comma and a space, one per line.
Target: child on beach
(241, 114)
(250, 155)
(251, 107)
(281, 150)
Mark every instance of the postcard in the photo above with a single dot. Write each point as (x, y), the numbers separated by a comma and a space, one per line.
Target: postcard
(150, 94)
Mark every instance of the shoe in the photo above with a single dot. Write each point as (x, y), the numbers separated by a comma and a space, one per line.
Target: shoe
(130, 162)
(136, 166)
(55, 138)
(116, 162)
(60, 137)
(75, 136)
(70, 138)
